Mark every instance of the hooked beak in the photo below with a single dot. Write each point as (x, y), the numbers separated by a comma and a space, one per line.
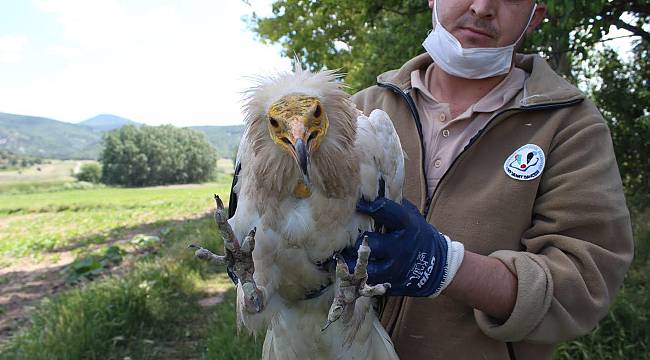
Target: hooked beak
(301, 155)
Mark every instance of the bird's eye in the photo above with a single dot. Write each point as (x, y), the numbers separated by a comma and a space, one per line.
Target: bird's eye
(312, 136)
(273, 122)
(318, 111)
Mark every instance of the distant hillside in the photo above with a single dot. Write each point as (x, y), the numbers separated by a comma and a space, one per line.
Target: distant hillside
(42, 137)
(52, 139)
(107, 122)
(224, 138)
(9, 160)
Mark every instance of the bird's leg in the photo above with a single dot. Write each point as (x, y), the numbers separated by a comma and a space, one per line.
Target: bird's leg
(238, 259)
(205, 254)
(352, 286)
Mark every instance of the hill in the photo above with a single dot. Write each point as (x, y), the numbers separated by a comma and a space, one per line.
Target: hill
(107, 122)
(224, 138)
(53, 139)
(43, 137)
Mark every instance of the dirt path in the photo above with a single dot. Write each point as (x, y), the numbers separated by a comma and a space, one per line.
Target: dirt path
(28, 280)
(23, 284)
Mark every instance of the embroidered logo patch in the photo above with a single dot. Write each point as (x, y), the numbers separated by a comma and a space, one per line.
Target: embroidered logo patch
(526, 163)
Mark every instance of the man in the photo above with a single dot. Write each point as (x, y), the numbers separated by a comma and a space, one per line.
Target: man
(521, 236)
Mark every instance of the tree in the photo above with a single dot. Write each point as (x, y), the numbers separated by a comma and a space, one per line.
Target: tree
(363, 38)
(146, 155)
(622, 92)
(366, 37)
(573, 27)
(89, 172)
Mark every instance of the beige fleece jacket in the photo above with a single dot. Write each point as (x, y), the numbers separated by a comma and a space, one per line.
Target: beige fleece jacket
(566, 234)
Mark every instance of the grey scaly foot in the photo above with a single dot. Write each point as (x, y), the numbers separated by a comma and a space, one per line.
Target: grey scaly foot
(352, 286)
(238, 258)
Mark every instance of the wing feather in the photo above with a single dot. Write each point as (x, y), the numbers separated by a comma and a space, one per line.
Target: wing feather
(381, 157)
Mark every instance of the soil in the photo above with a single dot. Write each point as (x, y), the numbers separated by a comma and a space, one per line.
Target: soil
(26, 281)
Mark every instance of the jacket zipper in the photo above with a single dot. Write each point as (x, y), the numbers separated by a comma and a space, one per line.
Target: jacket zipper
(414, 112)
(487, 127)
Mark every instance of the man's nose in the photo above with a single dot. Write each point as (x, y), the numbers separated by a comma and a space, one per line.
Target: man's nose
(485, 9)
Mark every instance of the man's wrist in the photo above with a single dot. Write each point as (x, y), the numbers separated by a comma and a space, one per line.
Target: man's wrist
(455, 255)
(486, 284)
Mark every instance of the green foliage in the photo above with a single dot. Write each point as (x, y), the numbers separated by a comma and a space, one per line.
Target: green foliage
(145, 241)
(144, 156)
(363, 38)
(89, 172)
(622, 92)
(91, 266)
(368, 37)
(108, 319)
(625, 331)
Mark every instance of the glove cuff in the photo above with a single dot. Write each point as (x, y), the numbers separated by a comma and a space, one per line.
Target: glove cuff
(455, 254)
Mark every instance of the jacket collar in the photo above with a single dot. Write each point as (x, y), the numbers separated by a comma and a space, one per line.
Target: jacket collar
(543, 86)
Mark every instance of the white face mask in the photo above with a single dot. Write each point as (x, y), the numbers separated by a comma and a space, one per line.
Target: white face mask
(472, 63)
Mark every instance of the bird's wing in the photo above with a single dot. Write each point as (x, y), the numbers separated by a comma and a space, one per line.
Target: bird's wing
(380, 156)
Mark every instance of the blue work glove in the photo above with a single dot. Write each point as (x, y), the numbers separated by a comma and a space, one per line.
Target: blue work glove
(415, 258)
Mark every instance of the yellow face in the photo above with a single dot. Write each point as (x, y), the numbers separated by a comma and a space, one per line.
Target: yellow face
(298, 123)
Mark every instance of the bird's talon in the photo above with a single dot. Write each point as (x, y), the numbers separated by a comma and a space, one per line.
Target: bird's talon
(253, 298)
(351, 286)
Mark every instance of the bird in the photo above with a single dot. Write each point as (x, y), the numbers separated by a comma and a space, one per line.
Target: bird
(307, 156)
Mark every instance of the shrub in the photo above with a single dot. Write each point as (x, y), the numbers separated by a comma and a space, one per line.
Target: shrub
(90, 172)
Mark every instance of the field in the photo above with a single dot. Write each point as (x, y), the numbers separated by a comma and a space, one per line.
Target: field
(148, 298)
(54, 174)
(95, 272)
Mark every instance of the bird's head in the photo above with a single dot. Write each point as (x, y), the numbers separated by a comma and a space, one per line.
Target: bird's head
(298, 123)
(300, 134)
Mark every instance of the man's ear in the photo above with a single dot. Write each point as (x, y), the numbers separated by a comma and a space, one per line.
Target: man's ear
(538, 17)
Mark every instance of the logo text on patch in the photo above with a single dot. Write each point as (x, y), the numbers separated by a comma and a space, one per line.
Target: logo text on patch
(526, 163)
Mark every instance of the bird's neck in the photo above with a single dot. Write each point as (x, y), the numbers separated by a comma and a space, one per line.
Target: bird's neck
(336, 173)
(301, 190)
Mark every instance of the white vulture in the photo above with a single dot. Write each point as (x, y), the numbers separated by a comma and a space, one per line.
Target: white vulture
(306, 157)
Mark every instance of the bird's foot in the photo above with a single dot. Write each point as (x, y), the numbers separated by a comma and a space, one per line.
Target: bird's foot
(238, 259)
(352, 286)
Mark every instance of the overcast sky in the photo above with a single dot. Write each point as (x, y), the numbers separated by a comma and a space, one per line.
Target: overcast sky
(152, 61)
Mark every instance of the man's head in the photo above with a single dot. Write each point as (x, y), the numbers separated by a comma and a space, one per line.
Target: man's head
(488, 23)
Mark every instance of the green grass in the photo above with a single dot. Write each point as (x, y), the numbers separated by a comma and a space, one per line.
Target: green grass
(222, 341)
(149, 313)
(64, 220)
